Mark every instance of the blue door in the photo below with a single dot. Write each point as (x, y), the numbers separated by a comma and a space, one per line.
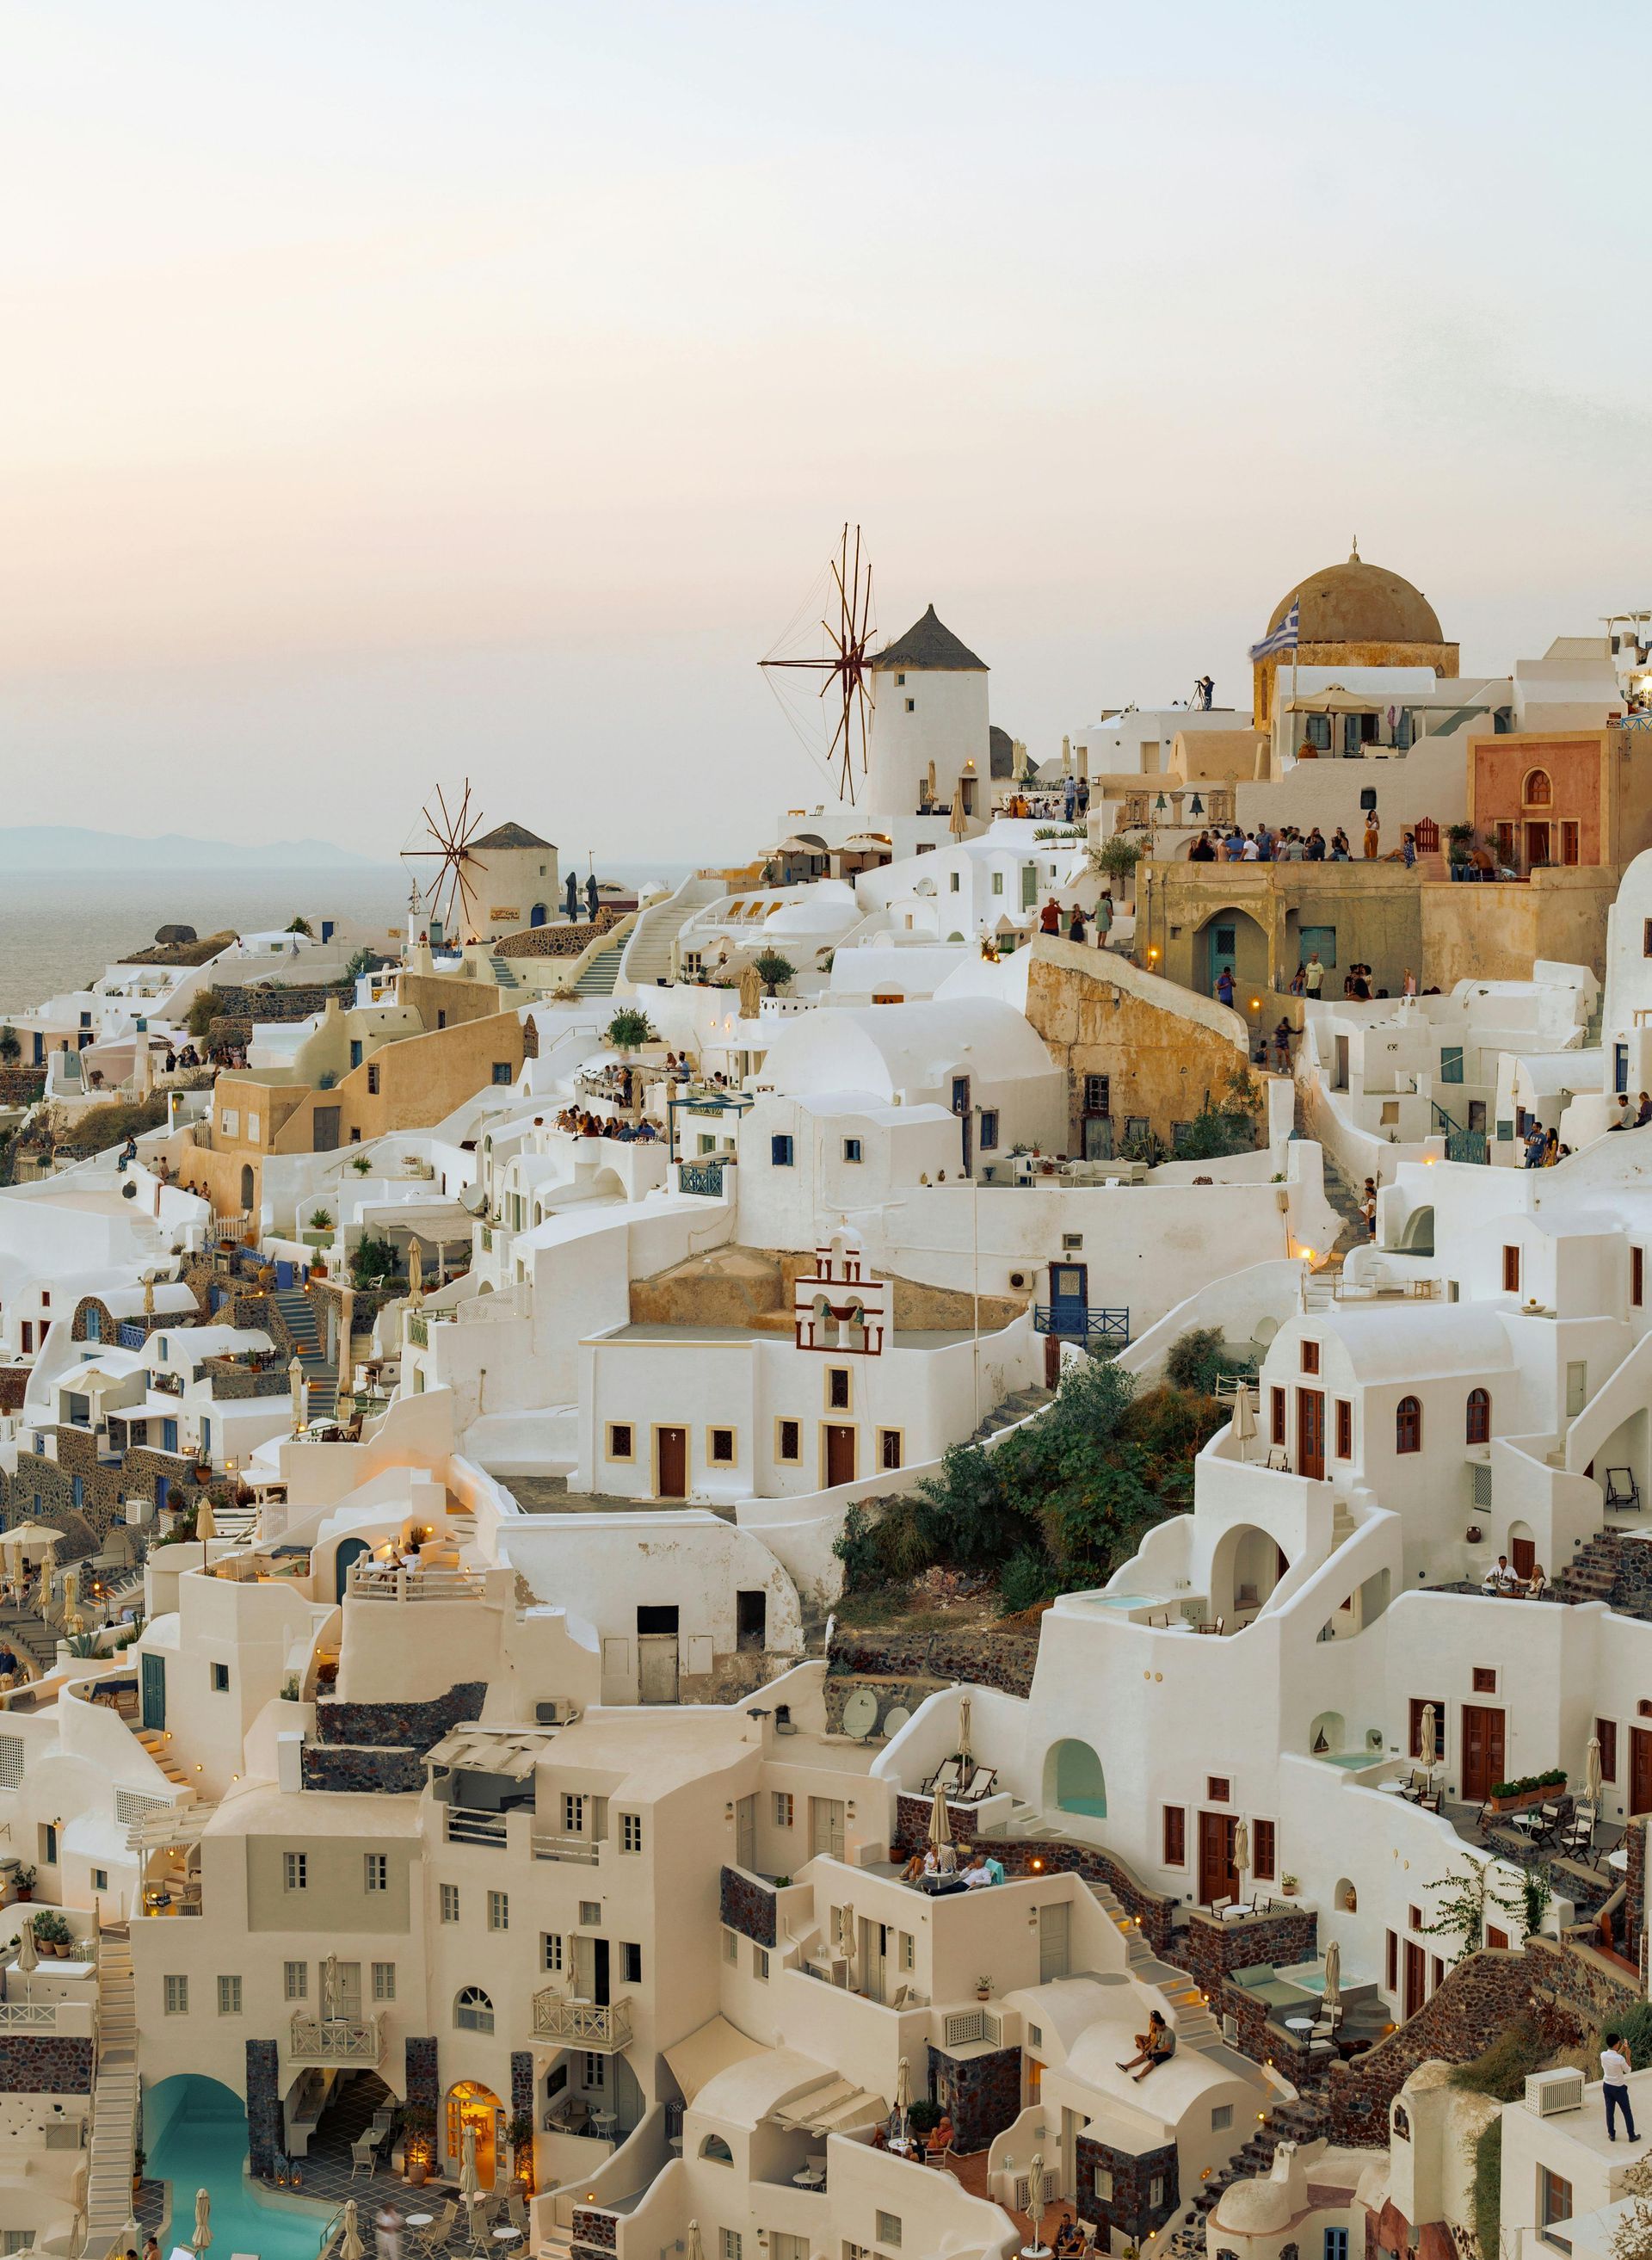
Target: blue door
(286, 1275)
(154, 1682)
(536, 916)
(1224, 954)
(350, 1549)
(355, 1051)
(1070, 1298)
(163, 1496)
(168, 1436)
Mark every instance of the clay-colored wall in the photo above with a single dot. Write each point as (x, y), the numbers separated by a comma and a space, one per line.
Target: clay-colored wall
(1442, 657)
(1493, 932)
(1500, 767)
(757, 1292)
(430, 995)
(1162, 1062)
(1374, 907)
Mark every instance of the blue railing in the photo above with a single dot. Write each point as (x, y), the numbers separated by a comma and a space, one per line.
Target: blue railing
(131, 1335)
(701, 1177)
(1074, 1319)
(1460, 1145)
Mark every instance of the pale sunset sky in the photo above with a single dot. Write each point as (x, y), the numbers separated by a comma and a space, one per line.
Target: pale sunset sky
(398, 389)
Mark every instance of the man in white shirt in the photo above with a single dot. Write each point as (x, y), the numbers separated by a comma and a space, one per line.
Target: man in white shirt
(1614, 2072)
(1313, 974)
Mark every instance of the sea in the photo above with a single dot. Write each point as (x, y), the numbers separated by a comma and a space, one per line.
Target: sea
(60, 929)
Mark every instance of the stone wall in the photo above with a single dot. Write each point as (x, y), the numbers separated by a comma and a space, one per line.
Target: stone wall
(990, 1658)
(521, 2082)
(1130, 2210)
(1208, 1949)
(1055, 1855)
(888, 1694)
(749, 1907)
(593, 2231)
(267, 1001)
(352, 1769)
(560, 941)
(1635, 1897)
(44, 2063)
(981, 2094)
(231, 1378)
(266, 2132)
(423, 2080)
(21, 1086)
(400, 1726)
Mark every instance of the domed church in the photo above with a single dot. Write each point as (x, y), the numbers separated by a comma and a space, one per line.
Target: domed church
(1354, 615)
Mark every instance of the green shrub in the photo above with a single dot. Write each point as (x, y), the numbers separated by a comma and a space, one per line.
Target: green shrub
(370, 1261)
(773, 970)
(1197, 1360)
(209, 1005)
(630, 1029)
(1486, 2154)
(100, 1128)
(1026, 1580)
(1501, 2071)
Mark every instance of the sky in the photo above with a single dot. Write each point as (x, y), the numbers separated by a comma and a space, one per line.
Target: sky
(397, 391)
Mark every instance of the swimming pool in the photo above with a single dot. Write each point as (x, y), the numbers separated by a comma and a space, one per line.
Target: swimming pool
(1352, 1760)
(196, 2131)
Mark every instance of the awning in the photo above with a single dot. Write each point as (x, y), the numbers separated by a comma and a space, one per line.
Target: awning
(796, 847)
(704, 2053)
(832, 2109)
(1336, 701)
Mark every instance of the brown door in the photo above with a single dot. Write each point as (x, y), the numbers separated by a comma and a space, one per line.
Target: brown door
(1523, 1555)
(1640, 1770)
(671, 1457)
(1310, 1433)
(840, 1454)
(1415, 1980)
(1537, 843)
(1482, 1752)
(1218, 1878)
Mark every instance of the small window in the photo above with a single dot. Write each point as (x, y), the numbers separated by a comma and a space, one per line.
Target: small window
(550, 1949)
(383, 1981)
(900, 681)
(785, 1808)
(1264, 1841)
(1511, 1270)
(591, 1912)
(473, 2010)
(295, 1871)
(220, 1678)
(1646, 939)
(376, 1870)
(1175, 1836)
(1344, 1429)
(449, 1897)
(1222, 2118)
(1478, 1418)
(1637, 1276)
(759, 1963)
(1554, 2204)
(296, 1981)
(851, 1149)
(100, 1879)
(372, 1078)
(1310, 1357)
(1097, 1094)
(1104, 2184)
(1218, 1788)
(837, 1388)
(889, 1448)
(502, 1071)
(722, 1448)
(732, 2244)
(1485, 1679)
(573, 1813)
(911, 705)
(1606, 1736)
(177, 1997)
(621, 1439)
(989, 1129)
(630, 1962)
(229, 1997)
(780, 1152)
(630, 1832)
(730, 1945)
(888, 2228)
(1155, 2191)
(998, 882)
(1408, 1425)
(1538, 792)
(789, 1448)
(498, 1910)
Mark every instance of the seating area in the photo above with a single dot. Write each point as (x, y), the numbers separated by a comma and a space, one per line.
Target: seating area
(962, 1782)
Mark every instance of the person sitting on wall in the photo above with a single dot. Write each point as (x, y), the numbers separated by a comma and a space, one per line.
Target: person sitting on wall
(1155, 2046)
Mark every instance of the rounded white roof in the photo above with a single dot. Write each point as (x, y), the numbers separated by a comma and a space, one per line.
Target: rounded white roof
(885, 1049)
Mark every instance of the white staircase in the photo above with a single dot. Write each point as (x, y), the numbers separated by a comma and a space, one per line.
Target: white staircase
(649, 951)
(114, 2096)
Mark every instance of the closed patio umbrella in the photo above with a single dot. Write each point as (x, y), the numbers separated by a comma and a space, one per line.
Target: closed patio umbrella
(1242, 1847)
(1333, 1974)
(329, 1987)
(751, 993)
(204, 1526)
(1426, 1728)
(845, 1938)
(1592, 1782)
(203, 2235)
(902, 2096)
(28, 1954)
(941, 1834)
(469, 2187)
(1035, 2201)
(415, 1270)
(959, 822)
(964, 1751)
(696, 2250)
(296, 1376)
(1244, 1420)
(350, 2245)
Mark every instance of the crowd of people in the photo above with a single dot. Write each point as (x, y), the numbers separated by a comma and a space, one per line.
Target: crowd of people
(1232, 844)
(583, 1124)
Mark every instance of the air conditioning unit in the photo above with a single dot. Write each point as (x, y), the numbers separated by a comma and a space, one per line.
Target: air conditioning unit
(1020, 1279)
(1547, 2093)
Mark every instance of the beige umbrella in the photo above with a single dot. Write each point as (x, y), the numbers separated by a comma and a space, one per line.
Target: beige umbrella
(846, 1939)
(204, 1526)
(415, 1270)
(751, 993)
(203, 2235)
(329, 1987)
(71, 1589)
(1333, 1974)
(28, 1954)
(1244, 1421)
(1241, 1845)
(929, 788)
(350, 2247)
(1592, 1777)
(296, 1376)
(941, 1834)
(959, 822)
(469, 2187)
(902, 2096)
(148, 1294)
(1426, 1728)
(1035, 2199)
(965, 1755)
(696, 2250)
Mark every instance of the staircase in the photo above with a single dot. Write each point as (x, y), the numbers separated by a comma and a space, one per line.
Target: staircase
(1016, 1406)
(298, 1312)
(27, 1636)
(647, 952)
(159, 1745)
(1614, 1568)
(500, 968)
(601, 972)
(114, 2096)
(1344, 1199)
(1303, 2121)
(1342, 1524)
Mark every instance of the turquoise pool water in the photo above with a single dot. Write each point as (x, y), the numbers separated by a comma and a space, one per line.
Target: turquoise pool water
(1126, 1600)
(1352, 1759)
(196, 2139)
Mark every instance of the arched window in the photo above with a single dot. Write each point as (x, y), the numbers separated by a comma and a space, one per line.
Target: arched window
(1478, 1426)
(1537, 793)
(1408, 1425)
(718, 2150)
(473, 2010)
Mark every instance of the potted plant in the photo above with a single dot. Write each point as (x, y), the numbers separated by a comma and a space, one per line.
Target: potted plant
(138, 2158)
(24, 1883)
(1290, 1885)
(53, 1935)
(519, 2133)
(984, 1988)
(1528, 1789)
(418, 2128)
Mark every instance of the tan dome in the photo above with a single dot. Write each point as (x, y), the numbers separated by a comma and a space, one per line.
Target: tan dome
(1357, 603)
(1255, 2208)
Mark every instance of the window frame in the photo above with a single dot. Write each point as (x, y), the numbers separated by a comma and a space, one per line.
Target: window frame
(1408, 1426)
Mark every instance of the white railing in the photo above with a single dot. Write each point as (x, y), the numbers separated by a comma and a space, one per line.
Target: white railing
(40, 2015)
(381, 1582)
(336, 2040)
(584, 1850)
(582, 2024)
(960, 2025)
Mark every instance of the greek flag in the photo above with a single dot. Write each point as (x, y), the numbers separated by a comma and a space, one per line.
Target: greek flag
(1283, 637)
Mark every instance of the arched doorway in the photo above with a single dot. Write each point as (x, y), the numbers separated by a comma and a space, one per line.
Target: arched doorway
(537, 915)
(1418, 1238)
(1247, 1564)
(1231, 940)
(1074, 1780)
(246, 1188)
(470, 2104)
(349, 1550)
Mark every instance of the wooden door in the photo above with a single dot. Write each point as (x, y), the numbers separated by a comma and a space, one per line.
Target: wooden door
(840, 1455)
(671, 1462)
(826, 1827)
(1310, 1433)
(1481, 1751)
(746, 1832)
(1218, 1878)
(1523, 1555)
(1416, 1977)
(1640, 1768)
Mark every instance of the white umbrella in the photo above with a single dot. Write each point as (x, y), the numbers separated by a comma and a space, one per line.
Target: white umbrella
(204, 1526)
(1591, 1771)
(941, 1834)
(696, 2250)
(28, 1956)
(902, 2096)
(1241, 1845)
(469, 2187)
(296, 1376)
(963, 1730)
(959, 822)
(351, 2247)
(1244, 1420)
(415, 1270)
(1425, 1733)
(203, 2235)
(1035, 2199)
(845, 1935)
(1333, 1974)
(329, 1987)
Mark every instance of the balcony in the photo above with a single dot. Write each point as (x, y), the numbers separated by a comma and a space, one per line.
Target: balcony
(380, 1582)
(417, 1330)
(585, 1851)
(1075, 1320)
(336, 2040)
(601, 2030)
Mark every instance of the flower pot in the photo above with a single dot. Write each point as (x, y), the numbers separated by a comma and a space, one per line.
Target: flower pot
(416, 2172)
(1522, 1797)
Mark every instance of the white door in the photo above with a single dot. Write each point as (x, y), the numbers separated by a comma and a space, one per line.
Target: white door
(826, 1827)
(875, 1959)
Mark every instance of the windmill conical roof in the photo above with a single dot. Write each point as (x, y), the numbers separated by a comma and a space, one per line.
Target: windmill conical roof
(511, 835)
(929, 643)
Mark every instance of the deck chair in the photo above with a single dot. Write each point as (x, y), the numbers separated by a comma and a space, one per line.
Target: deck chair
(1622, 1490)
(981, 1783)
(945, 1778)
(433, 2240)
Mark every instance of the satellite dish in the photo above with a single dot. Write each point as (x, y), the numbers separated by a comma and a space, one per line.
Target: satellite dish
(859, 1714)
(474, 1200)
(895, 1719)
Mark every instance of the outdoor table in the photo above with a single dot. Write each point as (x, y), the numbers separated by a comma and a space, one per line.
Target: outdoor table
(1298, 2024)
(1619, 1860)
(605, 2122)
(506, 2235)
(420, 2220)
(1391, 1788)
(810, 2178)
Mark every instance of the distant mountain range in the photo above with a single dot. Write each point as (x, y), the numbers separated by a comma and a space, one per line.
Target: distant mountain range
(67, 847)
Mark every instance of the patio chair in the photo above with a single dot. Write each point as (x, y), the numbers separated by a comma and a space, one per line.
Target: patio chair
(364, 2154)
(1622, 1490)
(516, 2211)
(434, 2241)
(946, 1778)
(981, 1783)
